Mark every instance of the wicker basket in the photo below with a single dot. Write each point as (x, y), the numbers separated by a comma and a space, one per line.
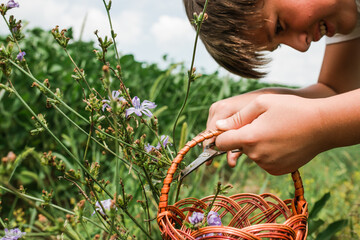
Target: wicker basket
(246, 216)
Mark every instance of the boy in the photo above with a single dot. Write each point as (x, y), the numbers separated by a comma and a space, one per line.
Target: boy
(283, 129)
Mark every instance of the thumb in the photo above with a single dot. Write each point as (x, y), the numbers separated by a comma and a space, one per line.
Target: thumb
(233, 122)
(245, 116)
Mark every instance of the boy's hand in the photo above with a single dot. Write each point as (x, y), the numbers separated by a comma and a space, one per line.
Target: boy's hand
(279, 132)
(224, 109)
(228, 107)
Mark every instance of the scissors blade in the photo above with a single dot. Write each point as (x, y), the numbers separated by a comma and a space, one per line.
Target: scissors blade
(203, 157)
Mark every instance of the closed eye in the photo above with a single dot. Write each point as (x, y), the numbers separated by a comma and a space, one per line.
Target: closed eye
(278, 27)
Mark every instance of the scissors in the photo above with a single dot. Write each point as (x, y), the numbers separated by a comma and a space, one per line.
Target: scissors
(205, 156)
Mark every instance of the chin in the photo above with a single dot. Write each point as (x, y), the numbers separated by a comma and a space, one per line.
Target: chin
(348, 25)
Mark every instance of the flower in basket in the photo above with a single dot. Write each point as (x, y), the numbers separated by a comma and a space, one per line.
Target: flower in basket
(213, 219)
(196, 218)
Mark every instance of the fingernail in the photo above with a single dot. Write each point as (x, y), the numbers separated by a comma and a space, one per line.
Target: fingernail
(221, 124)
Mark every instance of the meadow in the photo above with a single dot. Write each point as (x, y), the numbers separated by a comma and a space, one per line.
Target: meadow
(69, 142)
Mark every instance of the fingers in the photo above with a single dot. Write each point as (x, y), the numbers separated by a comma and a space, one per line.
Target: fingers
(238, 127)
(242, 117)
(232, 158)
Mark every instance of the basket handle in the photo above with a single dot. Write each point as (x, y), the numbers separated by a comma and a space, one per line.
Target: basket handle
(163, 203)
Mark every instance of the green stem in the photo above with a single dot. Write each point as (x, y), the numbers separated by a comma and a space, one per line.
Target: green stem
(137, 224)
(161, 145)
(112, 32)
(51, 205)
(17, 44)
(152, 187)
(89, 137)
(189, 75)
(49, 91)
(123, 87)
(218, 189)
(72, 110)
(147, 210)
(39, 209)
(77, 69)
(94, 139)
(111, 226)
(58, 141)
(85, 229)
(178, 190)
(2, 222)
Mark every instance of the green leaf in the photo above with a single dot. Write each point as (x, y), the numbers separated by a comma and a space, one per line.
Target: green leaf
(319, 205)
(27, 177)
(183, 136)
(314, 225)
(332, 229)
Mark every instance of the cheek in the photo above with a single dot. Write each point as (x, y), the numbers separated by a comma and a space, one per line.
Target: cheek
(311, 12)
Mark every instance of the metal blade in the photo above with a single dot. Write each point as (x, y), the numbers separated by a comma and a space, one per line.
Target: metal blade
(203, 157)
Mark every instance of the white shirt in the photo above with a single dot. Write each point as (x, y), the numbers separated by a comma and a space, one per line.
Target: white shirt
(354, 34)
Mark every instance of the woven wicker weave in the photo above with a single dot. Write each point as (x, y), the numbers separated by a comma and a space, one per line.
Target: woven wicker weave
(244, 216)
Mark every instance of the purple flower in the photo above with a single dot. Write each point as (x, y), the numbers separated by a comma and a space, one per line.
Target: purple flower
(15, 29)
(106, 204)
(148, 147)
(12, 4)
(164, 141)
(13, 234)
(115, 97)
(105, 104)
(140, 109)
(213, 219)
(20, 56)
(196, 217)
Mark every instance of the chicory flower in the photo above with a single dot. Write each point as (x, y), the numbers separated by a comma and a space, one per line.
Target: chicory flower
(213, 219)
(196, 217)
(20, 56)
(164, 142)
(12, 234)
(115, 97)
(140, 109)
(12, 4)
(148, 147)
(106, 204)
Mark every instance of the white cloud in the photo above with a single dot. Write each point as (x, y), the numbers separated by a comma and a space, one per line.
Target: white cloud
(172, 30)
(150, 33)
(129, 26)
(49, 13)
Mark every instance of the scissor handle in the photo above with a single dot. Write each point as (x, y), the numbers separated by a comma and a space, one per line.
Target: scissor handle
(163, 203)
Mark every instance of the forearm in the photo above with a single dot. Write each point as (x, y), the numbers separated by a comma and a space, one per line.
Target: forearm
(340, 115)
(317, 90)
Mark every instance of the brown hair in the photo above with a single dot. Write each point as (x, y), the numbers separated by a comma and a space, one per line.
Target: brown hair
(227, 32)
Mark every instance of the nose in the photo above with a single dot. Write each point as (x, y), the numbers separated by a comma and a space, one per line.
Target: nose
(298, 40)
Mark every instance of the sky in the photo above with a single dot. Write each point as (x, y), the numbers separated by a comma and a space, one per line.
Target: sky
(151, 29)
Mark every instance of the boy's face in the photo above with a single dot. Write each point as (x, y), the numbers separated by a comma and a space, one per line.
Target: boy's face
(297, 23)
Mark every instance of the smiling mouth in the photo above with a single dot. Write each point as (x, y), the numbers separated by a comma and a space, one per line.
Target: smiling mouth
(323, 28)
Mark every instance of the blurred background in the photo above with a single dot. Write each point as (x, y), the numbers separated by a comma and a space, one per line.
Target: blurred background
(150, 29)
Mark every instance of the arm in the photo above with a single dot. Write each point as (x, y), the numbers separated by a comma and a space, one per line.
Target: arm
(282, 132)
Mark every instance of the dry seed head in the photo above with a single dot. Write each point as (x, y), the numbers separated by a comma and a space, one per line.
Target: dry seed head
(105, 68)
